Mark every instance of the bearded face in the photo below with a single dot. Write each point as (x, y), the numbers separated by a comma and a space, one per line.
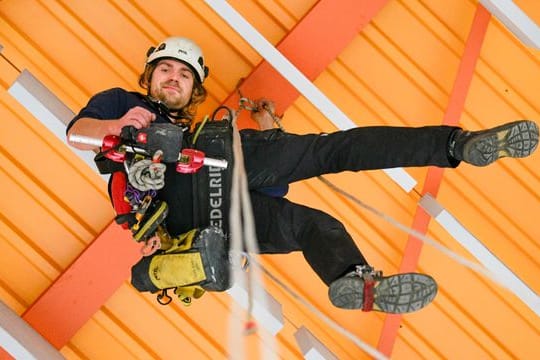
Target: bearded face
(172, 84)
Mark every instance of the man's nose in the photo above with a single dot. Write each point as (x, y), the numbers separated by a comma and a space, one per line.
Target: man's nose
(174, 76)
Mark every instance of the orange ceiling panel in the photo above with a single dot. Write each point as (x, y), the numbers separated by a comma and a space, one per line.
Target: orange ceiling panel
(397, 69)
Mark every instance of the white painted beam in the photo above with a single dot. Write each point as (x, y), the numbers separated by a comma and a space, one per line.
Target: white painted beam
(20, 340)
(311, 347)
(47, 108)
(516, 20)
(268, 311)
(297, 79)
(503, 274)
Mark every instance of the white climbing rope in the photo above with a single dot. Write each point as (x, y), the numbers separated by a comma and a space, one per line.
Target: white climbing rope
(145, 175)
(242, 233)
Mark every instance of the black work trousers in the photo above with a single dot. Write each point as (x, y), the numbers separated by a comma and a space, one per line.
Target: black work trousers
(276, 158)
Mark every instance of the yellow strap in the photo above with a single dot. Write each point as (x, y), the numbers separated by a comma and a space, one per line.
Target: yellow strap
(150, 222)
(178, 244)
(186, 293)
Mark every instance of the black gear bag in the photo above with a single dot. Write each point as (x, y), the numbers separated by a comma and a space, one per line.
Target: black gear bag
(211, 185)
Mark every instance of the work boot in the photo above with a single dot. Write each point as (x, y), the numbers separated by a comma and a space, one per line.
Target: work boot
(368, 290)
(480, 148)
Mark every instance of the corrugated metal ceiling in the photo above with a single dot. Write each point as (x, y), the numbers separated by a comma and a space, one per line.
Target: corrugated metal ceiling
(398, 70)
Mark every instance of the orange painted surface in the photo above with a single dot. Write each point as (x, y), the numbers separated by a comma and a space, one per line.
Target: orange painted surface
(4, 355)
(434, 176)
(318, 33)
(84, 287)
(400, 69)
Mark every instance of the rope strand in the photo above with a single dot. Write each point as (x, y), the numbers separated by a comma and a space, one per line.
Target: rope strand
(242, 230)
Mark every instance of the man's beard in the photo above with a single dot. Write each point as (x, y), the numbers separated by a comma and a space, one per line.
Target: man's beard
(174, 103)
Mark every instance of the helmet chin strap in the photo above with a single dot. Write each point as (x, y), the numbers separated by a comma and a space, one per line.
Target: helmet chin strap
(163, 109)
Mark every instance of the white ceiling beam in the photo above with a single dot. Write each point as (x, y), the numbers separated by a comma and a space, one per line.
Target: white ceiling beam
(47, 108)
(20, 340)
(502, 273)
(297, 79)
(268, 311)
(311, 347)
(516, 20)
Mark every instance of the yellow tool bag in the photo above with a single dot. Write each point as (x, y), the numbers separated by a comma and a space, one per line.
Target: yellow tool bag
(192, 263)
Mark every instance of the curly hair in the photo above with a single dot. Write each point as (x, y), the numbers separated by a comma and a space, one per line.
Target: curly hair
(198, 95)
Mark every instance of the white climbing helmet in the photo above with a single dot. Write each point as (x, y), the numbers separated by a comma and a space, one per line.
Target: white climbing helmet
(182, 49)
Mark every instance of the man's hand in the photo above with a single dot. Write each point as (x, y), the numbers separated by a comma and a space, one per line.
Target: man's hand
(263, 114)
(138, 117)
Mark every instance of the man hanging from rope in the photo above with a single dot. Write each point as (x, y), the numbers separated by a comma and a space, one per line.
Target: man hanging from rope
(173, 77)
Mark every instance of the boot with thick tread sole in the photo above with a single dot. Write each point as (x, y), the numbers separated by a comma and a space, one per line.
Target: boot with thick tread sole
(395, 294)
(517, 139)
